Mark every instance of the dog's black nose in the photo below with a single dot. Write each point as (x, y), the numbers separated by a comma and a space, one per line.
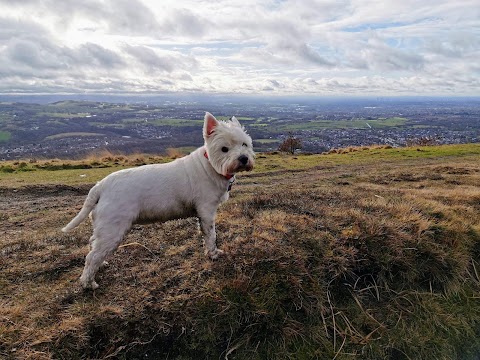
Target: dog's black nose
(243, 159)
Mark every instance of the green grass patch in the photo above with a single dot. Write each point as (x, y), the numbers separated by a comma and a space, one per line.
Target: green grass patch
(56, 122)
(266, 141)
(106, 125)
(63, 115)
(71, 134)
(5, 136)
(166, 122)
(344, 124)
(177, 122)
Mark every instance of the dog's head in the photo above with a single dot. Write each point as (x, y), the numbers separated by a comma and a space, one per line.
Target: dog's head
(229, 147)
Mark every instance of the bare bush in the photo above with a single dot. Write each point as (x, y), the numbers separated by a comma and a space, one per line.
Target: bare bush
(290, 144)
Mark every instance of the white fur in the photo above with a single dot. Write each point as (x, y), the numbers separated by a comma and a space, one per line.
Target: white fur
(189, 186)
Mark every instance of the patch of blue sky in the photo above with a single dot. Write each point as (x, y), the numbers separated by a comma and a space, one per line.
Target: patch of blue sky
(389, 25)
(393, 42)
(403, 43)
(276, 4)
(374, 26)
(212, 45)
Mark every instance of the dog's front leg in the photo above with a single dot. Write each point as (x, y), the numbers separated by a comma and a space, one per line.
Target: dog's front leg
(207, 224)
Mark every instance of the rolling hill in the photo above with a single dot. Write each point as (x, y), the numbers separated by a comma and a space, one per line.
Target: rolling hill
(367, 253)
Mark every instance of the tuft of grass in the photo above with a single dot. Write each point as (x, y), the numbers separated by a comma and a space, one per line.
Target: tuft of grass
(326, 257)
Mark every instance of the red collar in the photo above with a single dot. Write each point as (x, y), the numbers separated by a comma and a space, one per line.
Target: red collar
(228, 177)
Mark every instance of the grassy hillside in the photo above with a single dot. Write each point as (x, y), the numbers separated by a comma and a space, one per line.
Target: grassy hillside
(360, 253)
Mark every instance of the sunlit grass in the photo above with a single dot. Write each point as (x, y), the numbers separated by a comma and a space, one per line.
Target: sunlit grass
(13, 174)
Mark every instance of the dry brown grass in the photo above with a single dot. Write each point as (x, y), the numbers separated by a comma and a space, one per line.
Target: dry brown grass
(371, 261)
(174, 153)
(98, 159)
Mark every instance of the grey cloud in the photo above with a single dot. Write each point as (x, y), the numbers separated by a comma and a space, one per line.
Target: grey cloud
(42, 54)
(285, 38)
(151, 61)
(123, 17)
(184, 76)
(393, 59)
(30, 54)
(376, 55)
(315, 10)
(149, 58)
(129, 17)
(93, 55)
(276, 83)
(307, 53)
(456, 45)
(296, 51)
(184, 22)
(13, 28)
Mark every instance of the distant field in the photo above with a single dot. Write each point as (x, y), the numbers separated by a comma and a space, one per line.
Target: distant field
(239, 118)
(72, 134)
(178, 122)
(62, 115)
(165, 122)
(107, 125)
(344, 124)
(4, 136)
(266, 141)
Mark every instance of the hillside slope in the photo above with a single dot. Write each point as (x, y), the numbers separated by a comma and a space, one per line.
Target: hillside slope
(370, 254)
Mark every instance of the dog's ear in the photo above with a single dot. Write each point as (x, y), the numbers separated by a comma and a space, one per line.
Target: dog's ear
(235, 122)
(209, 125)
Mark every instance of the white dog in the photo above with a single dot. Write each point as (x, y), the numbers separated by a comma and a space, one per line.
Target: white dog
(194, 185)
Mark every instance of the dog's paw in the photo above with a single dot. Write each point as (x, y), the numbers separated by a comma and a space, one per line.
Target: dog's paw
(215, 253)
(89, 285)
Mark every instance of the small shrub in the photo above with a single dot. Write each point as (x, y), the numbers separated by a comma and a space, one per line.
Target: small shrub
(7, 169)
(290, 144)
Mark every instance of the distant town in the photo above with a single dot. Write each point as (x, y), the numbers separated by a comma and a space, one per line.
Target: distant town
(70, 128)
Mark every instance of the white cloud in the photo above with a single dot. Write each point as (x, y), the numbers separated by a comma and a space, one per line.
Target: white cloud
(250, 46)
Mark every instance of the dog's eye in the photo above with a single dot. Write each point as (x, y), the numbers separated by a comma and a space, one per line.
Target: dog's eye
(224, 149)
(244, 144)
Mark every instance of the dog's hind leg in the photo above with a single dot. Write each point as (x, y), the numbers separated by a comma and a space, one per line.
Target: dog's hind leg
(103, 244)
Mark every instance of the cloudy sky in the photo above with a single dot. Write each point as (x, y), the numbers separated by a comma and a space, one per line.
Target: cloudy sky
(324, 47)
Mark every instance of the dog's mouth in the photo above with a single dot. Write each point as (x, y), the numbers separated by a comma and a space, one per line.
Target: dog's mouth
(248, 167)
(240, 167)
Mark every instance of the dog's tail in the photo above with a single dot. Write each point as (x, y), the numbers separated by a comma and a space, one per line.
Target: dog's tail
(88, 205)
